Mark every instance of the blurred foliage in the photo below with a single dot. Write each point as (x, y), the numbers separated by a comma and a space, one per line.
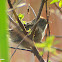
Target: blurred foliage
(4, 53)
(47, 45)
(49, 61)
(60, 2)
(57, 58)
(21, 16)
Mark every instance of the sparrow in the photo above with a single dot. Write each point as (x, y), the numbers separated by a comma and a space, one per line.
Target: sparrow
(38, 34)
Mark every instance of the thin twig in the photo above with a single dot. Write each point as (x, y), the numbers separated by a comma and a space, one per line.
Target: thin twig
(33, 11)
(31, 50)
(21, 49)
(12, 20)
(48, 56)
(47, 29)
(18, 6)
(56, 36)
(16, 49)
(58, 7)
(40, 9)
(57, 49)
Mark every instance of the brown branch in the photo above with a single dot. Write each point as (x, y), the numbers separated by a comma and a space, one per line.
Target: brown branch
(58, 36)
(21, 25)
(37, 54)
(40, 9)
(26, 39)
(38, 16)
(48, 56)
(48, 29)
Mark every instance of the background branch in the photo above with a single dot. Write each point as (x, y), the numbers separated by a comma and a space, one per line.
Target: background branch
(48, 29)
(40, 9)
(21, 49)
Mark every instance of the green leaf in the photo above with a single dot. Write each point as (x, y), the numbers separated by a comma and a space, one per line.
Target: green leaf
(23, 22)
(21, 16)
(60, 4)
(49, 61)
(47, 45)
(54, 1)
(49, 41)
(41, 53)
(40, 45)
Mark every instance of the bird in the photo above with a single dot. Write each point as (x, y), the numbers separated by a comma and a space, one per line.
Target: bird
(38, 33)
